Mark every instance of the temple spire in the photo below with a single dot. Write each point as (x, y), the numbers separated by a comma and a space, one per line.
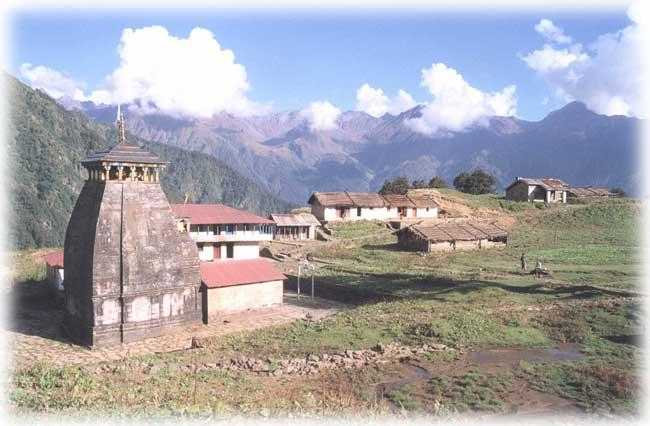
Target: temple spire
(121, 131)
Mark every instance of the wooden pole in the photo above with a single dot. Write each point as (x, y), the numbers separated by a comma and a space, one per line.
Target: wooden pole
(298, 293)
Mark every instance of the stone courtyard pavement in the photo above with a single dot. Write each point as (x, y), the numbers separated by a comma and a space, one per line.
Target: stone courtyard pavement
(36, 334)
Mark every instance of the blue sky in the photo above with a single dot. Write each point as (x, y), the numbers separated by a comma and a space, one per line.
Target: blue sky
(291, 60)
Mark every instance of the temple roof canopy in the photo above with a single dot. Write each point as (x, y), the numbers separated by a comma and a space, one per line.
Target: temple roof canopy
(124, 153)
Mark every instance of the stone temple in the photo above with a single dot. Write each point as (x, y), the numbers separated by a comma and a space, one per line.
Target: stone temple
(130, 274)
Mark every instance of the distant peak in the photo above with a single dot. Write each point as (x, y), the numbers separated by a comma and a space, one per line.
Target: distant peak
(414, 112)
(576, 106)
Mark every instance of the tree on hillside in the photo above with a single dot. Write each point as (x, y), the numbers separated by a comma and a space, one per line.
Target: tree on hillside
(398, 185)
(475, 182)
(437, 182)
(419, 184)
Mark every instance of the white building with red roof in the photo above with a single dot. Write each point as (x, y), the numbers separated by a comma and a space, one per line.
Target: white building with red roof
(233, 275)
(222, 232)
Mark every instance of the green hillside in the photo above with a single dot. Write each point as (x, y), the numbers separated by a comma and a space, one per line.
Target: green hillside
(46, 145)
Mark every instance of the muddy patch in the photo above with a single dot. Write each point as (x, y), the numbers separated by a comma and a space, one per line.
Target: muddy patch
(489, 359)
(625, 339)
(410, 374)
(527, 402)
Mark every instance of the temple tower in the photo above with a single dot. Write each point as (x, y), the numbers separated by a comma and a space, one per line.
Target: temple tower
(130, 273)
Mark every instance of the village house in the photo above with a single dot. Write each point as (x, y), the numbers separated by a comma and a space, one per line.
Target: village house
(351, 206)
(424, 206)
(589, 193)
(222, 232)
(451, 236)
(54, 270)
(545, 190)
(233, 276)
(294, 226)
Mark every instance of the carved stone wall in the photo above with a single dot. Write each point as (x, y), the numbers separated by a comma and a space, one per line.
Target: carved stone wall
(130, 274)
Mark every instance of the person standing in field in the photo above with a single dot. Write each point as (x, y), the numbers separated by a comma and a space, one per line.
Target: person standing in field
(538, 269)
(524, 264)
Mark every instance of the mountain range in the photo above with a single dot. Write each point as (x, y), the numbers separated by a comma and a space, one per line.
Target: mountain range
(46, 144)
(286, 157)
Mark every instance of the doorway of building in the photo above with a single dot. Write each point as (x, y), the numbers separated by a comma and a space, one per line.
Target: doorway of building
(230, 249)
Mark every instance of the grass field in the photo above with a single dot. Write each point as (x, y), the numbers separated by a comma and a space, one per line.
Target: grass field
(469, 301)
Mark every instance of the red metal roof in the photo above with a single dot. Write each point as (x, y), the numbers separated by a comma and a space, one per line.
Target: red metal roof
(54, 259)
(216, 214)
(225, 273)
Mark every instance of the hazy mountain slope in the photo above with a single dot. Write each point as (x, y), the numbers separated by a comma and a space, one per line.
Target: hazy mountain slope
(572, 143)
(286, 157)
(46, 144)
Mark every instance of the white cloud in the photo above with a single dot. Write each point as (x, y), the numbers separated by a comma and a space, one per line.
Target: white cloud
(606, 75)
(52, 82)
(456, 104)
(551, 32)
(549, 59)
(191, 76)
(374, 102)
(321, 115)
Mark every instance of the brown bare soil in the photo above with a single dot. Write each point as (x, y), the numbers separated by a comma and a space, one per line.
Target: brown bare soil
(455, 206)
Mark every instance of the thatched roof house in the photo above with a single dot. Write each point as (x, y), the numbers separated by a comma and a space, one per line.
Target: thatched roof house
(452, 236)
(589, 192)
(336, 206)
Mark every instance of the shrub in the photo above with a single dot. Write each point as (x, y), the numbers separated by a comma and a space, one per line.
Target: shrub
(398, 185)
(475, 182)
(438, 182)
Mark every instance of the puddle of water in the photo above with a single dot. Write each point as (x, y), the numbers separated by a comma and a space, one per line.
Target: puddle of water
(412, 374)
(565, 352)
(633, 339)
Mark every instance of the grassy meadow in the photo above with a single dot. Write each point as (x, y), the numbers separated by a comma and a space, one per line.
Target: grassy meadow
(470, 301)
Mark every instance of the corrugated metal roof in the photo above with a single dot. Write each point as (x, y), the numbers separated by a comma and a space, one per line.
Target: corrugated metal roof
(295, 219)
(216, 214)
(54, 259)
(124, 153)
(225, 273)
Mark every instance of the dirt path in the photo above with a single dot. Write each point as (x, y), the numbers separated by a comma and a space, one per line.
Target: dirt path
(35, 333)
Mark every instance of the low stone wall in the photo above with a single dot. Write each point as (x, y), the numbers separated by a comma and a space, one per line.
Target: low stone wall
(313, 363)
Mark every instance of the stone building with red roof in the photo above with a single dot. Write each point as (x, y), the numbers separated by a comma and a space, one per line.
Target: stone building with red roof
(233, 276)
